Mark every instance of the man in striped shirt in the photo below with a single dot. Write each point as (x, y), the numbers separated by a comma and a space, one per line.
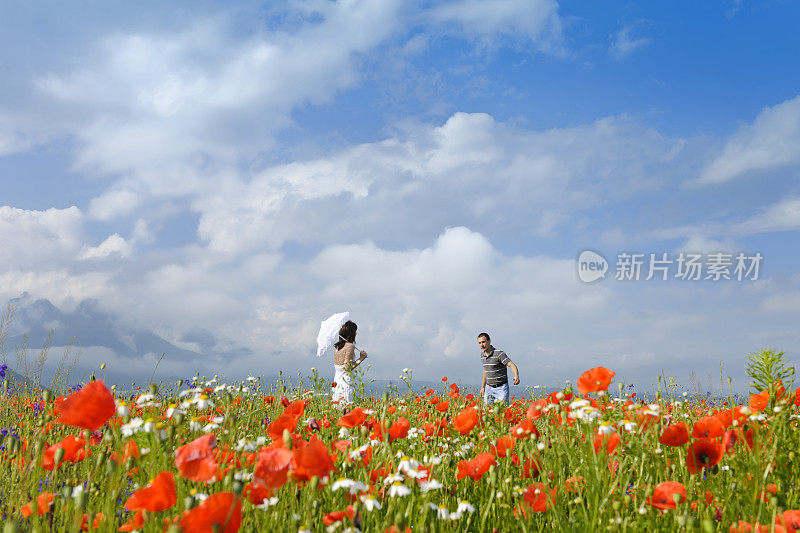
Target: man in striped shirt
(494, 385)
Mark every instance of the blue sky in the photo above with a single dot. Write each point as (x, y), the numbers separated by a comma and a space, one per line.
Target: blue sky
(435, 167)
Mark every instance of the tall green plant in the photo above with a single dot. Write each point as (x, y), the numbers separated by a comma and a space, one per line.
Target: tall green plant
(765, 367)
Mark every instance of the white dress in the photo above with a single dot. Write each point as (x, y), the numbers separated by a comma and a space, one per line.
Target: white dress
(343, 391)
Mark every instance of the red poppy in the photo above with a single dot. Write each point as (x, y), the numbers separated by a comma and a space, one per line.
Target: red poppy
(730, 438)
(295, 409)
(606, 442)
(664, 495)
(89, 408)
(464, 421)
(43, 502)
(575, 484)
(595, 379)
(675, 435)
(790, 520)
(760, 401)
(536, 496)
(531, 468)
(703, 453)
(743, 527)
(505, 444)
(135, 523)
(256, 493)
(195, 461)
(338, 516)
(223, 510)
(525, 428)
(399, 429)
(475, 468)
(726, 417)
(283, 422)
(74, 452)
(272, 466)
(159, 496)
(312, 459)
(98, 519)
(442, 407)
(354, 418)
(708, 427)
(536, 409)
(444, 378)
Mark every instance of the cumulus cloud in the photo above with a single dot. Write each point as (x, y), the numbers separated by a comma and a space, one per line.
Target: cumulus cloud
(439, 174)
(771, 142)
(31, 238)
(113, 245)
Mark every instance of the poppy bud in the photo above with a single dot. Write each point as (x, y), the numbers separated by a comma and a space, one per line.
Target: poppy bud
(188, 502)
(111, 466)
(153, 389)
(11, 527)
(238, 486)
(47, 395)
(59, 455)
(287, 439)
(100, 459)
(80, 498)
(129, 463)
(708, 526)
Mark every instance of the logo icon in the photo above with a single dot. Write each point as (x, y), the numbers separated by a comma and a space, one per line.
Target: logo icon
(591, 266)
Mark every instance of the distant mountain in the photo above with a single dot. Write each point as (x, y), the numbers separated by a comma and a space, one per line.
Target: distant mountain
(89, 326)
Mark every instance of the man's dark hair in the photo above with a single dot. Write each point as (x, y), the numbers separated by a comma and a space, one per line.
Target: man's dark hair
(488, 338)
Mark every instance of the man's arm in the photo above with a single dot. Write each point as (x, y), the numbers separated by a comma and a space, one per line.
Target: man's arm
(483, 382)
(515, 370)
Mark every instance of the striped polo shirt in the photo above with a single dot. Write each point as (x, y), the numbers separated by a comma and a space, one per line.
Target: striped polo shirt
(494, 365)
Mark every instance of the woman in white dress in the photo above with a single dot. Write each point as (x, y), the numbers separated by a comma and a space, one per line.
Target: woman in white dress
(344, 362)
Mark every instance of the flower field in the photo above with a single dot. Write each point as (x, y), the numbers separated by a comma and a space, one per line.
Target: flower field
(209, 457)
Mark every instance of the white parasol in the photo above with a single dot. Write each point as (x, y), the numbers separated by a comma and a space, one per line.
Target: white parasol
(329, 331)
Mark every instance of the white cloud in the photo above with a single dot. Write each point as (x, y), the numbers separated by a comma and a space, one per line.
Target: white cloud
(782, 216)
(113, 245)
(628, 39)
(114, 203)
(59, 286)
(771, 142)
(534, 20)
(705, 245)
(539, 181)
(173, 108)
(31, 238)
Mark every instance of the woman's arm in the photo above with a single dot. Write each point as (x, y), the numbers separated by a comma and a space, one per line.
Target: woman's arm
(354, 364)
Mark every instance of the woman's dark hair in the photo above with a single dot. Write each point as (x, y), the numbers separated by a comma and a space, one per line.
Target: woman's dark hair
(346, 334)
